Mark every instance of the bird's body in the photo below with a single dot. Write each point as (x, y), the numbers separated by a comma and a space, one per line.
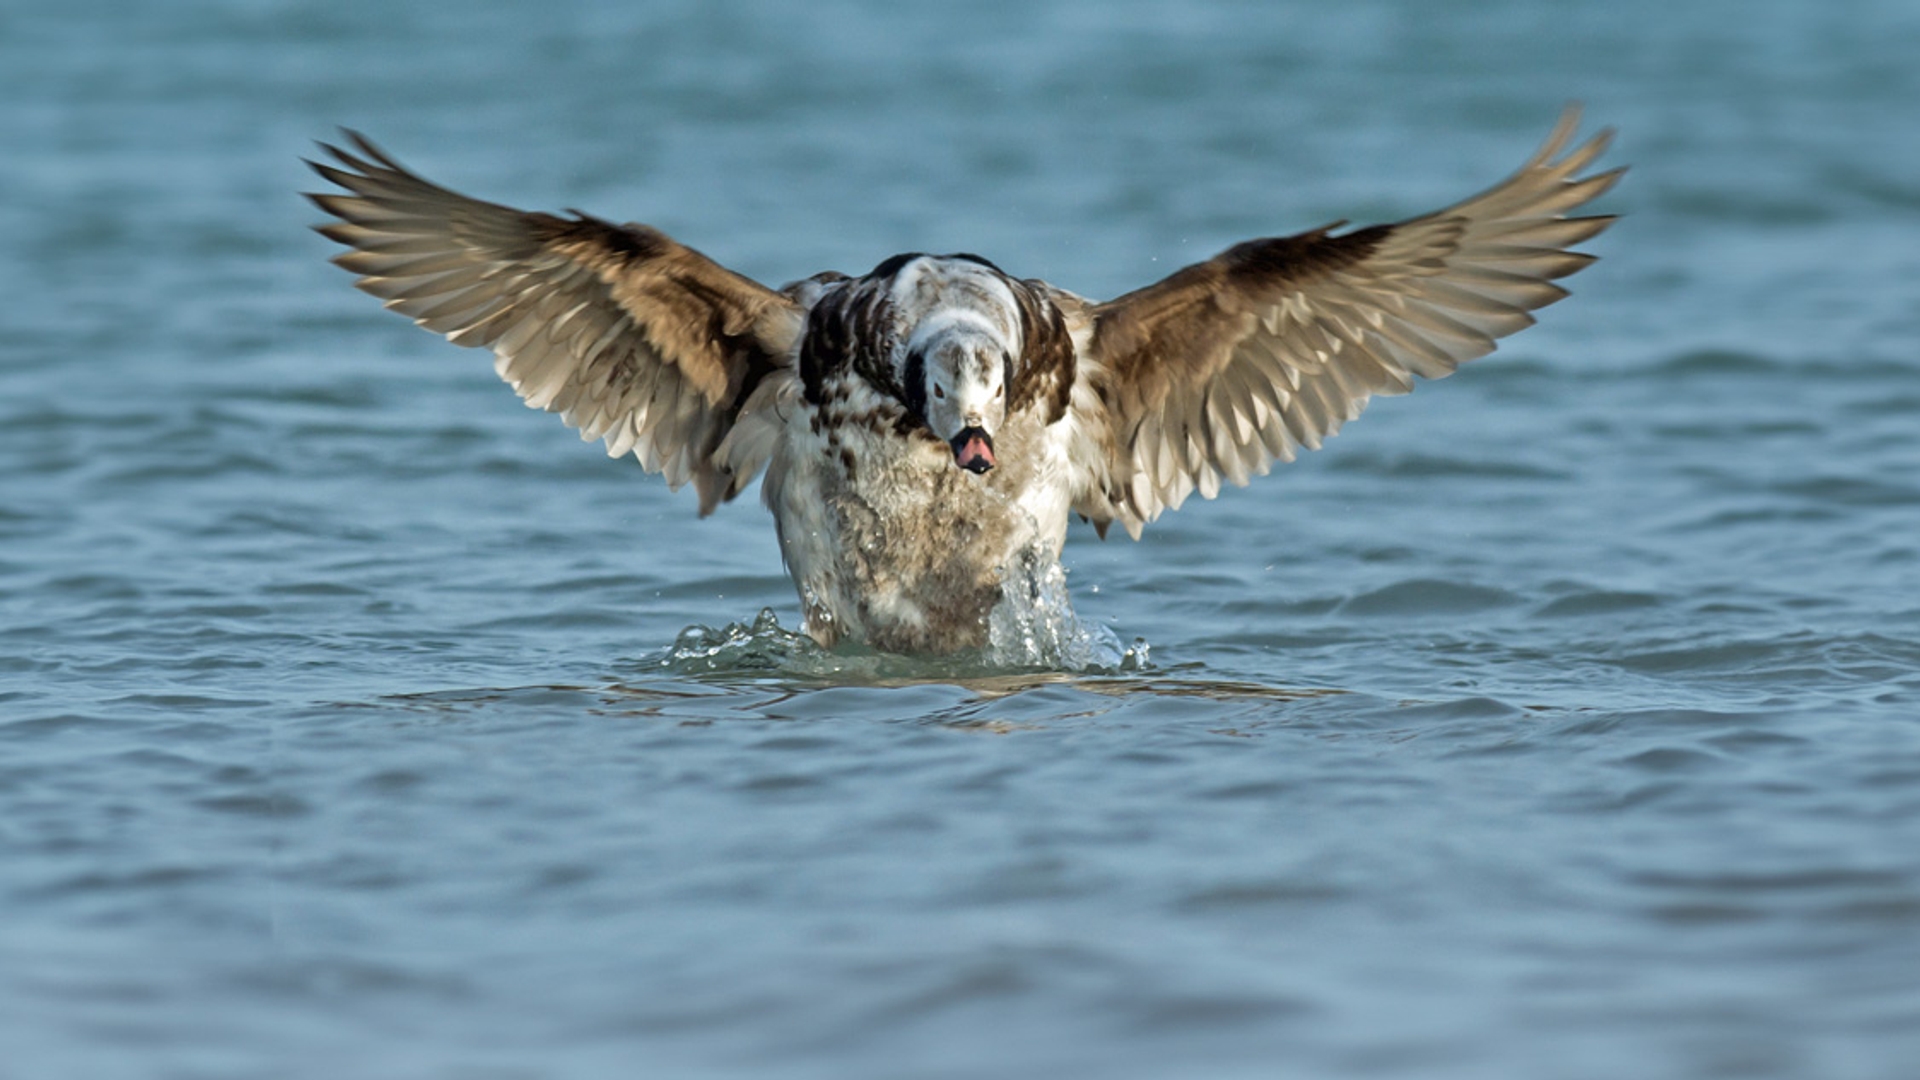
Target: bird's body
(887, 541)
(928, 429)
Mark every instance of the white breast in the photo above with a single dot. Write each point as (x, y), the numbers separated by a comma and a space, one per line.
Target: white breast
(890, 543)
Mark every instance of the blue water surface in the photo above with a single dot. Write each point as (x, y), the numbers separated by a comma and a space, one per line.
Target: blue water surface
(1560, 720)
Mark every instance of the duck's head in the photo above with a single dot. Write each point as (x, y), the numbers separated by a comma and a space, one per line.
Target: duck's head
(956, 375)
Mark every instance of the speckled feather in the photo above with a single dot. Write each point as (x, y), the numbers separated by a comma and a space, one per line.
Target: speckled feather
(905, 517)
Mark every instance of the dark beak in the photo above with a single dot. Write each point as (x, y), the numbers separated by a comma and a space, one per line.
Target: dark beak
(973, 450)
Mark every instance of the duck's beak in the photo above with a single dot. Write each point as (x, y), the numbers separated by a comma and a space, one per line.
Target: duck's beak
(973, 450)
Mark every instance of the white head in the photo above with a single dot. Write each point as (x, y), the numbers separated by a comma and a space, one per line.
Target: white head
(955, 376)
(961, 326)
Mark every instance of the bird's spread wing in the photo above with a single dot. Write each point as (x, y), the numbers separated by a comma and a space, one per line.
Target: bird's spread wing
(1271, 345)
(629, 336)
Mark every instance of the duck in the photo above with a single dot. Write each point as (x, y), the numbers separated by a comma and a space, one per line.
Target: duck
(927, 430)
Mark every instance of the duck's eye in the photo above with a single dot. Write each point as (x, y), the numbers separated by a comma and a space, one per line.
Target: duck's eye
(939, 391)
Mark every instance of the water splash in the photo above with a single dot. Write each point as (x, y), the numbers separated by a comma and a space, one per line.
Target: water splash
(1033, 630)
(1034, 625)
(760, 646)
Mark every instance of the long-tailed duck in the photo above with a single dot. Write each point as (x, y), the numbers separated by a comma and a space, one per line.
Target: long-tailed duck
(927, 428)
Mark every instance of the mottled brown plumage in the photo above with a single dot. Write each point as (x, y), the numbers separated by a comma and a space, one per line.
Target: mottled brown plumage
(927, 427)
(629, 336)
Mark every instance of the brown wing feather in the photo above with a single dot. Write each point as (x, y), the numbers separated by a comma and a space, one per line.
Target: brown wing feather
(1272, 345)
(1046, 373)
(631, 337)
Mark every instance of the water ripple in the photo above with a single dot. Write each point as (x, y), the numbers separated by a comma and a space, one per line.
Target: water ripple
(1558, 718)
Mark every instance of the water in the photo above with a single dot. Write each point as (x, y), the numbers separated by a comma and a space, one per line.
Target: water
(1559, 720)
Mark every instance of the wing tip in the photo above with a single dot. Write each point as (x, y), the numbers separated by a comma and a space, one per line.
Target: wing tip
(369, 163)
(1558, 153)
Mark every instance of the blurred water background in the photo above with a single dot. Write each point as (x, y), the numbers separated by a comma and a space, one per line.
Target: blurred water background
(1559, 720)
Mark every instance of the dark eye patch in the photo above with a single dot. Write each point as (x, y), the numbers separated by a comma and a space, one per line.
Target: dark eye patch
(914, 393)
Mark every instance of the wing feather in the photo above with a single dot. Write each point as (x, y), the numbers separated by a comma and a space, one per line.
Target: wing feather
(629, 336)
(1229, 364)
